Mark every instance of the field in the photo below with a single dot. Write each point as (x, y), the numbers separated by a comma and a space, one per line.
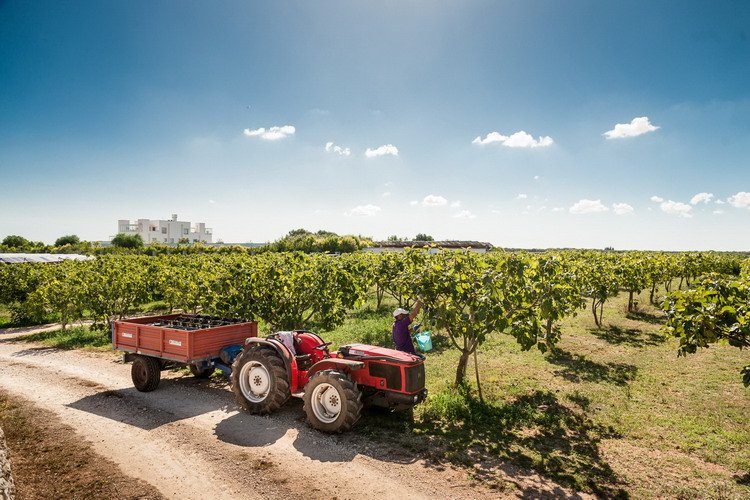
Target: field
(611, 411)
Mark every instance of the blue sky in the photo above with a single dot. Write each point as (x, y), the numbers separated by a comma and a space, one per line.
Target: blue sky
(484, 120)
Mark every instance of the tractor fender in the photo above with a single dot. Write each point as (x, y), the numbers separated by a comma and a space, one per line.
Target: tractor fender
(289, 363)
(346, 365)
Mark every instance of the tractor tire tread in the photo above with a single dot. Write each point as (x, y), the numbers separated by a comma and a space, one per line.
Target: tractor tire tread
(351, 394)
(146, 373)
(280, 393)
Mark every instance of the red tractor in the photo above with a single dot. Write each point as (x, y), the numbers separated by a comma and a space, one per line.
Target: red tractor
(334, 386)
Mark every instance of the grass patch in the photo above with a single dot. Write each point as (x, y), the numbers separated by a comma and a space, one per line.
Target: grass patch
(77, 337)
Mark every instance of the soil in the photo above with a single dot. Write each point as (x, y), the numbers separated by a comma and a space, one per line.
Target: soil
(189, 438)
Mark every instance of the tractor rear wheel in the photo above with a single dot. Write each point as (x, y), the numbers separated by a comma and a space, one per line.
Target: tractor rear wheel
(259, 380)
(146, 373)
(333, 403)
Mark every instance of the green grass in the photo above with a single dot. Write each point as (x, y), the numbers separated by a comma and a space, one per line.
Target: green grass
(77, 337)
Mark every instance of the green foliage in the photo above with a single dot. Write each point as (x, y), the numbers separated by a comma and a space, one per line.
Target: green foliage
(123, 240)
(301, 240)
(716, 310)
(70, 239)
(15, 241)
(423, 237)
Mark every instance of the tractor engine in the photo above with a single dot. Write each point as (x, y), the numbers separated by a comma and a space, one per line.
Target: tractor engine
(390, 378)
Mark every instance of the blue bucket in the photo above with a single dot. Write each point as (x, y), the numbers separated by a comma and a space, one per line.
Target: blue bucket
(424, 341)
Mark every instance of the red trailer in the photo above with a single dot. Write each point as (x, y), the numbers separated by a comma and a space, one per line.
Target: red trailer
(201, 342)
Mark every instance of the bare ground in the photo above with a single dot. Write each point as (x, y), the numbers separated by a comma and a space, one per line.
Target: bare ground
(189, 438)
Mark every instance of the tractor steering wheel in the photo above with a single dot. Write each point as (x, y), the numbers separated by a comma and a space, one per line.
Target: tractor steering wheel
(322, 346)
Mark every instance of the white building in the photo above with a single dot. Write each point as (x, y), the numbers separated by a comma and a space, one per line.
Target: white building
(166, 231)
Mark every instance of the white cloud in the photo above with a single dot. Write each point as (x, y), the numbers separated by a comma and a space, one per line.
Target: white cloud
(456, 204)
(212, 202)
(386, 194)
(522, 196)
(413, 203)
(719, 202)
(363, 211)
(432, 200)
(740, 200)
(718, 212)
(588, 207)
(332, 148)
(558, 209)
(676, 208)
(465, 214)
(636, 127)
(386, 149)
(519, 139)
(701, 197)
(657, 199)
(622, 208)
(271, 133)
(536, 177)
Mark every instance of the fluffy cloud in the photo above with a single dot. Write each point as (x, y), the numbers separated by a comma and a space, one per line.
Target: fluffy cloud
(464, 214)
(676, 208)
(588, 207)
(332, 148)
(558, 209)
(701, 197)
(719, 202)
(522, 196)
(271, 133)
(432, 200)
(363, 211)
(657, 199)
(638, 126)
(386, 149)
(740, 200)
(456, 204)
(622, 208)
(520, 139)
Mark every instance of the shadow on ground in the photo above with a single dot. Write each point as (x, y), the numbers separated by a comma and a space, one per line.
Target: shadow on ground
(632, 337)
(578, 368)
(533, 432)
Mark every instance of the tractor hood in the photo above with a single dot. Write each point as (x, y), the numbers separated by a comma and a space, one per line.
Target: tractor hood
(371, 351)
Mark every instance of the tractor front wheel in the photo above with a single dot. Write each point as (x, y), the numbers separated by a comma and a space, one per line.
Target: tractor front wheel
(333, 403)
(146, 373)
(259, 380)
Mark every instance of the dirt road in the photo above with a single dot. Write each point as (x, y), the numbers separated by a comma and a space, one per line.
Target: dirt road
(189, 436)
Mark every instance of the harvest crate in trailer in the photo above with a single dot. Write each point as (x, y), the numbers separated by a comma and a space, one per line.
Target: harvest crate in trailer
(200, 342)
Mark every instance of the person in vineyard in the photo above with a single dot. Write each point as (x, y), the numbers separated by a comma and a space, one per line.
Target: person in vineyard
(402, 320)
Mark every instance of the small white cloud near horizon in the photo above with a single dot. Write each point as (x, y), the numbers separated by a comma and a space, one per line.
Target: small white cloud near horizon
(740, 200)
(676, 208)
(432, 200)
(333, 148)
(386, 149)
(719, 202)
(456, 204)
(701, 197)
(520, 139)
(363, 211)
(585, 206)
(522, 196)
(271, 133)
(536, 177)
(656, 199)
(622, 208)
(638, 126)
(558, 209)
(465, 214)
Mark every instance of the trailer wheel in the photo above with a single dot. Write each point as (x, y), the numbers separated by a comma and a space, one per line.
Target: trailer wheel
(146, 373)
(333, 403)
(201, 372)
(259, 380)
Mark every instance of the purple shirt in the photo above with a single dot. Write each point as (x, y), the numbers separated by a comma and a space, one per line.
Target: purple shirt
(401, 336)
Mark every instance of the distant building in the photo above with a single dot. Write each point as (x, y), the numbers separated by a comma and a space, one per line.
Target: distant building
(166, 231)
(399, 246)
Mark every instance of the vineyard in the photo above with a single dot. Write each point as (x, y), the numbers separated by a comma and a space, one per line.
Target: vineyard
(486, 311)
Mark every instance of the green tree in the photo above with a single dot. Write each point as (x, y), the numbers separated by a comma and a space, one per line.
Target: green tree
(133, 241)
(15, 241)
(423, 237)
(70, 239)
